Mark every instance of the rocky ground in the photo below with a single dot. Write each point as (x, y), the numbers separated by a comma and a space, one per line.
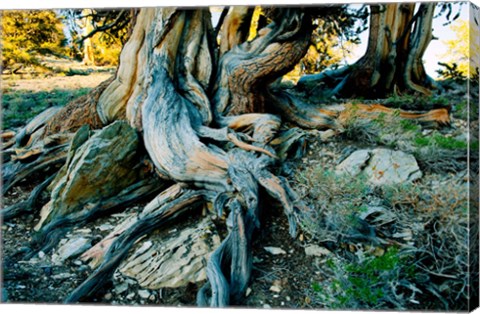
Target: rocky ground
(287, 273)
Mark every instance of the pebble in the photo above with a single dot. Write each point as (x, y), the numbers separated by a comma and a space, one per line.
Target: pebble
(274, 250)
(315, 250)
(121, 288)
(151, 298)
(266, 306)
(130, 296)
(247, 293)
(77, 262)
(144, 294)
(108, 296)
(62, 276)
(41, 254)
(105, 227)
(288, 298)
(275, 288)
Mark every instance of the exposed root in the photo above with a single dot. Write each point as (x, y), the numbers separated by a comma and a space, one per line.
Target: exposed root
(165, 213)
(50, 234)
(28, 205)
(239, 143)
(438, 117)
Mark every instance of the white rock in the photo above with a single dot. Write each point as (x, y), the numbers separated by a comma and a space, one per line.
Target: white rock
(354, 163)
(381, 166)
(61, 276)
(105, 227)
(121, 288)
(72, 248)
(315, 250)
(130, 296)
(274, 250)
(144, 294)
(276, 289)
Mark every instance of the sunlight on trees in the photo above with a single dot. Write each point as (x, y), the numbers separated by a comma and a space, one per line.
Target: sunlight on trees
(28, 33)
(458, 53)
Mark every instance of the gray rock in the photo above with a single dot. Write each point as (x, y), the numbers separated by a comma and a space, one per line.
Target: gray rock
(121, 288)
(144, 294)
(354, 163)
(72, 248)
(381, 166)
(62, 276)
(97, 168)
(315, 250)
(172, 260)
(274, 250)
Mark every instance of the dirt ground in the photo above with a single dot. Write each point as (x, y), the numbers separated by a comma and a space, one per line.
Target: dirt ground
(277, 281)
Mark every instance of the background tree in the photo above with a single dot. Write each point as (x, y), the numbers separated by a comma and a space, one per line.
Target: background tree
(460, 51)
(399, 34)
(29, 33)
(97, 35)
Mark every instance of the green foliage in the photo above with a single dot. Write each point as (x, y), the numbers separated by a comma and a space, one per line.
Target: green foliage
(373, 273)
(365, 283)
(440, 141)
(98, 35)
(29, 33)
(21, 106)
(411, 102)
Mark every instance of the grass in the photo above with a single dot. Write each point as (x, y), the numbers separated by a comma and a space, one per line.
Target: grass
(18, 107)
(408, 251)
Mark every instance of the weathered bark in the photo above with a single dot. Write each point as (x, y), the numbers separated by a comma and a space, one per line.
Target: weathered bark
(398, 38)
(204, 124)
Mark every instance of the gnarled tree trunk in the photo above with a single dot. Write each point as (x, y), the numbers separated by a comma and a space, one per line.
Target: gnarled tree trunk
(399, 34)
(198, 123)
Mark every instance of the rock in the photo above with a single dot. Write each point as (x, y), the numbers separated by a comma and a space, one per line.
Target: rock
(172, 260)
(267, 306)
(274, 250)
(108, 296)
(105, 227)
(72, 248)
(61, 276)
(247, 293)
(98, 167)
(144, 294)
(41, 254)
(381, 166)
(130, 296)
(276, 289)
(315, 250)
(354, 163)
(326, 135)
(121, 288)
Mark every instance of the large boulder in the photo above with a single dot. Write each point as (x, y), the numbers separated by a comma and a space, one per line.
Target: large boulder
(99, 165)
(381, 166)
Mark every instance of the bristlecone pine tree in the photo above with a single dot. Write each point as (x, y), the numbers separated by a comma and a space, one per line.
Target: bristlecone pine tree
(187, 119)
(399, 35)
